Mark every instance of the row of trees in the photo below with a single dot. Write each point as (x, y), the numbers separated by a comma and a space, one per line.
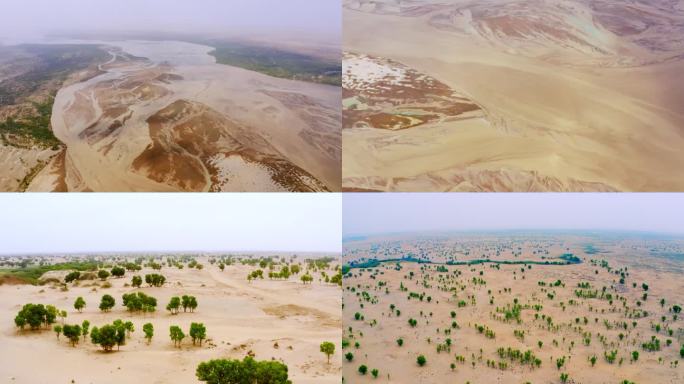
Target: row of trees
(198, 332)
(115, 334)
(187, 302)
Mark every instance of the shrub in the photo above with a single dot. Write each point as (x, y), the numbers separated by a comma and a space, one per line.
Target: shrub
(229, 371)
(107, 303)
(35, 316)
(79, 304)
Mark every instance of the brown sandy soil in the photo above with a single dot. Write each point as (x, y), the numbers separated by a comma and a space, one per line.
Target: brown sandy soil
(541, 291)
(549, 78)
(21, 165)
(240, 318)
(279, 134)
(189, 142)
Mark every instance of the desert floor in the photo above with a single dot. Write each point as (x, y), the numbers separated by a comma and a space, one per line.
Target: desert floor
(240, 317)
(557, 116)
(371, 292)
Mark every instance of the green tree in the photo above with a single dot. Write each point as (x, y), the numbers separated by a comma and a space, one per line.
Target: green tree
(102, 274)
(72, 332)
(155, 280)
(35, 316)
(198, 332)
(79, 304)
(173, 305)
(106, 337)
(306, 278)
(85, 325)
(139, 301)
(58, 329)
(148, 329)
(136, 281)
(363, 369)
(176, 335)
(421, 360)
(71, 276)
(107, 303)
(188, 302)
(564, 377)
(129, 327)
(349, 356)
(635, 355)
(328, 348)
(375, 373)
(118, 271)
(400, 341)
(192, 304)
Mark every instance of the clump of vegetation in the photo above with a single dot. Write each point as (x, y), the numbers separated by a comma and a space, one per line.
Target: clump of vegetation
(138, 301)
(72, 332)
(229, 371)
(188, 302)
(198, 332)
(277, 62)
(136, 281)
(31, 273)
(177, 335)
(155, 280)
(148, 329)
(36, 316)
(107, 303)
(109, 335)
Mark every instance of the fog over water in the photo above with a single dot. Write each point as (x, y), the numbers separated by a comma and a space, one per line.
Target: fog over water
(404, 212)
(111, 222)
(30, 20)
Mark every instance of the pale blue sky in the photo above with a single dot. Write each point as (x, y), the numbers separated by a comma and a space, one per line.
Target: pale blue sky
(45, 223)
(32, 18)
(404, 212)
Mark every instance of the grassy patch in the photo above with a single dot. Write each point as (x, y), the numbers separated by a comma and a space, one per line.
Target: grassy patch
(35, 127)
(278, 63)
(31, 274)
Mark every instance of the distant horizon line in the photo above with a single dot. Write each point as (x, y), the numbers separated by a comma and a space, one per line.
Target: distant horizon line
(346, 237)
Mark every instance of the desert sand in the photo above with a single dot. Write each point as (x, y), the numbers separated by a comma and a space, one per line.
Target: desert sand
(572, 95)
(449, 302)
(163, 116)
(241, 317)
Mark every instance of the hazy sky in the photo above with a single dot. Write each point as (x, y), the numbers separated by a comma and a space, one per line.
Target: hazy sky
(44, 223)
(401, 212)
(21, 18)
